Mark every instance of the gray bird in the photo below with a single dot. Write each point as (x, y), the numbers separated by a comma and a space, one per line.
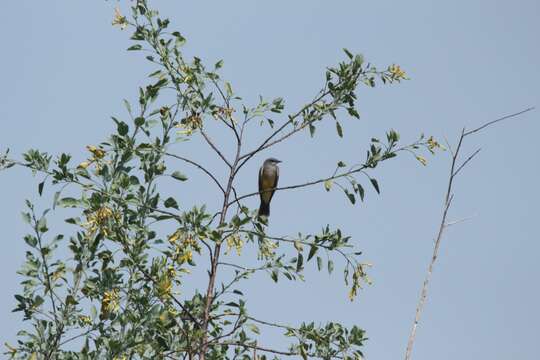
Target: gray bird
(268, 179)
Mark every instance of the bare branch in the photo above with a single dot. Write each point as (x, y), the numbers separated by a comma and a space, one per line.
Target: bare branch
(211, 143)
(443, 224)
(497, 120)
(466, 161)
(455, 222)
(199, 166)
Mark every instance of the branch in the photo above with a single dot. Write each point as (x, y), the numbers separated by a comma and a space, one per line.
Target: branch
(444, 224)
(260, 348)
(497, 120)
(314, 182)
(199, 166)
(266, 143)
(209, 141)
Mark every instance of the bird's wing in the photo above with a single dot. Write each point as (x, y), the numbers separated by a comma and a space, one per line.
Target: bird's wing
(275, 184)
(260, 182)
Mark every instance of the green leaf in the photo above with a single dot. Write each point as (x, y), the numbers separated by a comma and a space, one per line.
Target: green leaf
(312, 251)
(274, 275)
(135, 47)
(55, 199)
(375, 185)
(122, 128)
(67, 202)
(351, 197)
(228, 89)
(38, 301)
(139, 121)
(361, 191)
(26, 217)
(341, 164)
(311, 130)
(171, 203)
(30, 240)
(179, 176)
(319, 263)
(330, 266)
(299, 262)
(339, 129)
(42, 225)
(128, 106)
(254, 328)
(40, 187)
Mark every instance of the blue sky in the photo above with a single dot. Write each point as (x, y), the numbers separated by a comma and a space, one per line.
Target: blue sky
(65, 71)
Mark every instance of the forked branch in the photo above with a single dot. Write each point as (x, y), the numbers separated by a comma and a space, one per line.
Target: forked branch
(444, 224)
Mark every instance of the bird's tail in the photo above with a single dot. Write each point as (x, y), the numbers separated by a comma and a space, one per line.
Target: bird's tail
(264, 209)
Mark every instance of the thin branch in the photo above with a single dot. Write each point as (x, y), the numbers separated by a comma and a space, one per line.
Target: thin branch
(260, 348)
(269, 323)
(466, 161)
(455, 222)
(214, 147)
(444, 224)
(497, 120)
(198, 166)
(314, 182)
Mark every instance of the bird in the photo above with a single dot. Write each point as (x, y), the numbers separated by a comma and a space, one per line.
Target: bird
(268, 179)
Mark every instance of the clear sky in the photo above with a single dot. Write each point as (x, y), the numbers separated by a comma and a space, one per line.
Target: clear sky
(64, 70)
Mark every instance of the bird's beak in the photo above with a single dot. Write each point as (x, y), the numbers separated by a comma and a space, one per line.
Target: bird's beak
(278, 161)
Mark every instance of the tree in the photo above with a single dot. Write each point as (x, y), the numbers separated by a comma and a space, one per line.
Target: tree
(116, 295)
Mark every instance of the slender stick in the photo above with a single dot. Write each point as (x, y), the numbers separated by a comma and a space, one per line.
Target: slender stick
(444, 224)
(198, 166)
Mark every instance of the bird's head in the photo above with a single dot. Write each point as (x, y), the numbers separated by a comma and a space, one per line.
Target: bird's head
(271, 161)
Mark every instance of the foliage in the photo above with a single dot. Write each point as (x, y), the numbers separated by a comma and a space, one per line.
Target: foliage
(118, 293)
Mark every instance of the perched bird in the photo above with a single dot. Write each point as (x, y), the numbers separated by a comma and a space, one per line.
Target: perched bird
(268, 179)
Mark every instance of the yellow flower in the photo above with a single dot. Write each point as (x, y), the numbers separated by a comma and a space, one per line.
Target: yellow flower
(98, 220)
(84, 165)
(267, 249)
(97, 152)
(187, 256)
(85, 320)
(110, 302)
(236, 242)
(396, 72)
(422, 160)
(164, 286)
(11, 350)
(58, 274)
(433, 144)
(358, 275)
(189, 124)
(174, 237)
(171, 271)
(119, 19)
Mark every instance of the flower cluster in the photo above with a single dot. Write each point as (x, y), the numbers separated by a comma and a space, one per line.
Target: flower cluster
(98, 153)
(110, 303)
(397, 73)
(267, 249)
(119, 20)
(184, 248)
(99, 220)
(236, 242)
(189, 124)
